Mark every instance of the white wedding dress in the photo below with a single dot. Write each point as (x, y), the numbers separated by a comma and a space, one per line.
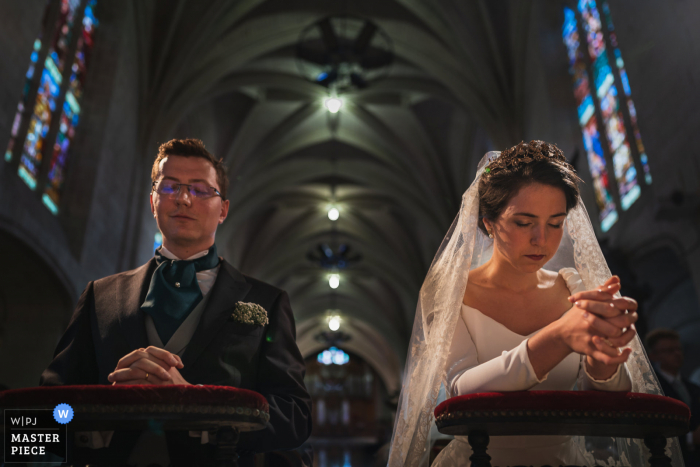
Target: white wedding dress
(486, 356)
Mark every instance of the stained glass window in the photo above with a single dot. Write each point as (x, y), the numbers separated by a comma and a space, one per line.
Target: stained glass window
(29, 76)
(628, 93)
(613, 120)
(56, 108)
(70, 115)
(589, 125)
(333, 356)
(604, 93)
(47, 95)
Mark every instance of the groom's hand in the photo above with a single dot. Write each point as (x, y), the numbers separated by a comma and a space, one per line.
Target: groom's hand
(148, 366)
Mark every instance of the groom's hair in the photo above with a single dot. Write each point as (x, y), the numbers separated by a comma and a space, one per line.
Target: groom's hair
(657, 335)
(191, 148)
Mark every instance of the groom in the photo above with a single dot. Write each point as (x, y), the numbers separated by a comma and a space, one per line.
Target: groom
(173, 321)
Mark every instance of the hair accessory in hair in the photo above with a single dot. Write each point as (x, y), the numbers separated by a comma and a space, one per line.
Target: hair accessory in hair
(513, 158)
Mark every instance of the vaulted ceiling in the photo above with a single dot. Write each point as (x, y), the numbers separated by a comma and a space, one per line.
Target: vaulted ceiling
(395, 160)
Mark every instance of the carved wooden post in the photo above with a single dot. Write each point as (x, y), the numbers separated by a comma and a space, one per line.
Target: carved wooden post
(226, 441)
(479, 441)
(657, 447)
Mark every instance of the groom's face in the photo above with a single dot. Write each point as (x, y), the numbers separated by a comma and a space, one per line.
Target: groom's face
(184, 219)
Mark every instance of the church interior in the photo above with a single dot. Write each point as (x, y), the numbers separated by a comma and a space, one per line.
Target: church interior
(350, 131)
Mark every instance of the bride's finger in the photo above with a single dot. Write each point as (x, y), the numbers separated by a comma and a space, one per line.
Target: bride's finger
(602, 327)
(612, 280)
(625, 303)
(624, 320)
(608, 360)
(624, 339)
(592, 295)
(598, 293)
(601, 344)
(602, 309)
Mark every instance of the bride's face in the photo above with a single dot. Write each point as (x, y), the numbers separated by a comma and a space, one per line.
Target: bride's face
(528, 232)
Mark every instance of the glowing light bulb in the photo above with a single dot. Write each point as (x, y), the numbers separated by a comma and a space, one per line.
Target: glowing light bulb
(333, 104)
(334, 323)
(333, 214)
(334, 281)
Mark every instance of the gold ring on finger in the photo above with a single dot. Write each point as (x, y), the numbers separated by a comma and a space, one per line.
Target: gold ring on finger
(146, 376)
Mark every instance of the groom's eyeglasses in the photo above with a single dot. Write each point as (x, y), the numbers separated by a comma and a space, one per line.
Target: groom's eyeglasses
(172, 189)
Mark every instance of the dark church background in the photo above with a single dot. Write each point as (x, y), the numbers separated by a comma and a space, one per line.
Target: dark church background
(350, 131)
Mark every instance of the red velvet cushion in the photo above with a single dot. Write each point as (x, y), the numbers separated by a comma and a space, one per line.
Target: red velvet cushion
(565, 400)
(133, 395)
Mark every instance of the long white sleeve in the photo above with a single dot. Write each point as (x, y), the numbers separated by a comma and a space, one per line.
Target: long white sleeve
(619, 381)
(511, 371)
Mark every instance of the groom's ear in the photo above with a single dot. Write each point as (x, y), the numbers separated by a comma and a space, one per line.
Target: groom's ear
(223, 213)
(150, 200)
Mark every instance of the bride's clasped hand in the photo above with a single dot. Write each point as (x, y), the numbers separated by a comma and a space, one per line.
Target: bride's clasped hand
(597, 326)
(610, 320)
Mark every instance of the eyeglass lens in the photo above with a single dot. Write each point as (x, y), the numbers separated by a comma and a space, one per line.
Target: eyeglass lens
(199, 190)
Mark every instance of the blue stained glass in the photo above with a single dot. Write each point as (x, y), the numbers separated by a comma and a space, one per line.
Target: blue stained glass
(628, 92)
(157, 241)
(38, 127)
(586, 110)
(587, 121)
(28, 179)
(333, 356)
(613, 120)
(34, 57)
(48, 202)
(47, 95)
(70, 115)
(625, 81)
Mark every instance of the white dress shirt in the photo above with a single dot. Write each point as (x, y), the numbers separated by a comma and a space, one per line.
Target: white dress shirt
(205, 278)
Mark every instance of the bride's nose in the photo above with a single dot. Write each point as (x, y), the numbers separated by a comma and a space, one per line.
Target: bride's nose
(539, 236)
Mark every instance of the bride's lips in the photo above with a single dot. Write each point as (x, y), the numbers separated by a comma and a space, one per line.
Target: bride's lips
(535, 257)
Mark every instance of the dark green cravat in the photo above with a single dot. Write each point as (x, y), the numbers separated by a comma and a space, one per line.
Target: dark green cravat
(174, 291)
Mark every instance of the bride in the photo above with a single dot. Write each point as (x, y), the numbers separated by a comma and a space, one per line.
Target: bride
(491, 317)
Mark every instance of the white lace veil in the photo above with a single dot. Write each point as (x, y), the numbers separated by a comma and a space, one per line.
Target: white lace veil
(439, 304)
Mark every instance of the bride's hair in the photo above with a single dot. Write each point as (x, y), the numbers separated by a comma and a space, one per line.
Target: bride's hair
(521, 165)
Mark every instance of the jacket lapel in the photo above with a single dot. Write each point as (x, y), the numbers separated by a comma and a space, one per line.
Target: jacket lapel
(230, 287)
(131, 294)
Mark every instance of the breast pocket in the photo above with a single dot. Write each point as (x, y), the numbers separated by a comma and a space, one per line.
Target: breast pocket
(243, 329)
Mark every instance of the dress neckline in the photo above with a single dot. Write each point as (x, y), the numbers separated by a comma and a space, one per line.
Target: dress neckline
(506, 327)
(510, 330)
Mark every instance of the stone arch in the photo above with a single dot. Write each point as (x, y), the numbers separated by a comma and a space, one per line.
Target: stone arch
(36, 304)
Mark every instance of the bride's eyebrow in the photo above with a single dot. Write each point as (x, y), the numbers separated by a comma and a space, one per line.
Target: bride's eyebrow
(527, 214)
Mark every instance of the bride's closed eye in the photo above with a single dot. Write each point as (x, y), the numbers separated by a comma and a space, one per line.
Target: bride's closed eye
(556, 226)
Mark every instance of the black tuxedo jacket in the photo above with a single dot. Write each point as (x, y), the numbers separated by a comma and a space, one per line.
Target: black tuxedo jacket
(691, 457)
(108, 324)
